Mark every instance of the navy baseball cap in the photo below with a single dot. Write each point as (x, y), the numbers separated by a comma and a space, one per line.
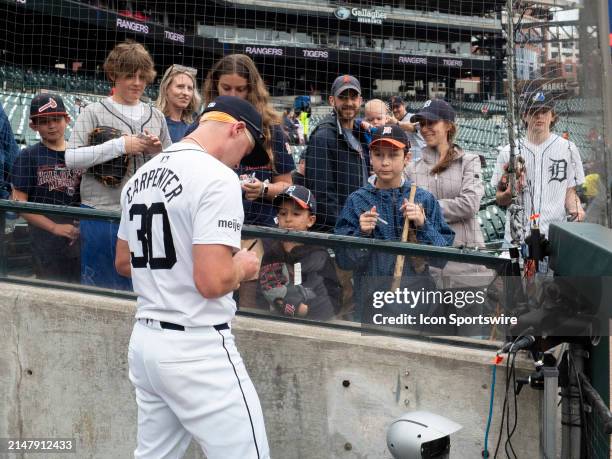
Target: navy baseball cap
(344, 82)
(434, 110)
(396, 100)
(47, 105)
(242, 110)
(537, 100)
(301, 195)
(390, 134)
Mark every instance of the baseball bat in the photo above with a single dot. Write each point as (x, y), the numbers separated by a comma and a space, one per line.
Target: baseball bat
(399, 261)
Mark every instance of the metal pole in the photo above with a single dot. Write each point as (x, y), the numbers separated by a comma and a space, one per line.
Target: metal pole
(510, 75)
(571, 419)
(549, 412)
(3, 251)
(606, 93)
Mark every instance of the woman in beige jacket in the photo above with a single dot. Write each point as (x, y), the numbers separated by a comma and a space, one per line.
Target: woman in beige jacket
(455, 179)
(452, 176)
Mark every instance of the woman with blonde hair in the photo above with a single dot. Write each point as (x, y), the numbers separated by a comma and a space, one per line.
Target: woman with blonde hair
(236, 75)
(179, 99)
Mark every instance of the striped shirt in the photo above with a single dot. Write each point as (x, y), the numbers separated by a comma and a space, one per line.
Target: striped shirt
(551, 168)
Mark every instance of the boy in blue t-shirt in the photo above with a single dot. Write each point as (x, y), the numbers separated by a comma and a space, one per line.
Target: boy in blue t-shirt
(40, 175)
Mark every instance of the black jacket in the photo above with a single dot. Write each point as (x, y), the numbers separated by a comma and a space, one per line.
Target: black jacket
(319, 278)
(334, 169)
(297, 178)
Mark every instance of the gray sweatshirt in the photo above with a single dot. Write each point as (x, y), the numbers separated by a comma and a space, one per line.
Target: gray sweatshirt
(81, 156)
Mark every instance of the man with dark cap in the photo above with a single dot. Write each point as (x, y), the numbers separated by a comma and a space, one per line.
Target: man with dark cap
(553, 169)
(337, 161)
(402, 118)
(179, 240)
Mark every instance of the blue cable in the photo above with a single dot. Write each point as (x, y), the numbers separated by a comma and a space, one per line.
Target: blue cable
(486, 441)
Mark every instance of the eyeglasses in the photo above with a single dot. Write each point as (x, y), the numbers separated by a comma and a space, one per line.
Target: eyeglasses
(176, 68)
(260, 135)
(250, 137)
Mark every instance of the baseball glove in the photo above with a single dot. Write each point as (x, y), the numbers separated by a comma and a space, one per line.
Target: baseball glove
(111, 172)
(282, 295)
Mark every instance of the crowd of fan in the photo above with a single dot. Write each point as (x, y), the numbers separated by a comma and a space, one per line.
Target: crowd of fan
(354, 178)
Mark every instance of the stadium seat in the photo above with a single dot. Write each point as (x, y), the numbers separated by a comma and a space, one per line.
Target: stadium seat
(488, 230)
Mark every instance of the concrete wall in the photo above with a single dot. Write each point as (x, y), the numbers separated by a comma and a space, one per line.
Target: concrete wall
(63, 373)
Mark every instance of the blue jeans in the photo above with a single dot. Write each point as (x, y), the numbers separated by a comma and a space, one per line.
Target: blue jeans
(98, 242)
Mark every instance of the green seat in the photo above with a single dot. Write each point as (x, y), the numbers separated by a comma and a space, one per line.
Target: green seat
(497, 220)
(487, 226)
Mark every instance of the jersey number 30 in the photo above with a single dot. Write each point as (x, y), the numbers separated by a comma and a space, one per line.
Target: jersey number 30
(145, 236)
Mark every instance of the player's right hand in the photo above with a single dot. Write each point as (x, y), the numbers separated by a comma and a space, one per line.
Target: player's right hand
(367, 221)
(135, 144)
(68, 231)
(248, 264)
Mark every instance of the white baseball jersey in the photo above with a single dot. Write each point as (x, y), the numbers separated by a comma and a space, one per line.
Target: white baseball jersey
(551, 168)
(417, 142)
(181, 197)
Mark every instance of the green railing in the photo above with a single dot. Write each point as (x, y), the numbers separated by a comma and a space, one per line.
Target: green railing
(324, 239)
(332, 241)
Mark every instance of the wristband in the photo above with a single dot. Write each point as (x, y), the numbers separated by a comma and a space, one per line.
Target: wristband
(264, 189)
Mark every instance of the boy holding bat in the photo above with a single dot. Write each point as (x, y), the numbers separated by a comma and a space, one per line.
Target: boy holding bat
(380, 210)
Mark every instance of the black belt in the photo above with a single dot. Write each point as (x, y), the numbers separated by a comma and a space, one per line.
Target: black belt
(171, 326)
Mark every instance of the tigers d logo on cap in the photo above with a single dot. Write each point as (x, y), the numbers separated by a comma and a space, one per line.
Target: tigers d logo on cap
(390, 134)
(300, 195)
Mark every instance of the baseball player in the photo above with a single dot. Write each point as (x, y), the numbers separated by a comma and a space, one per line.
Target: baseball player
(179, 239)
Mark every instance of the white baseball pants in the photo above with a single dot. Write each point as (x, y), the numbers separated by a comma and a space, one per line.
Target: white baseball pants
(193, 383)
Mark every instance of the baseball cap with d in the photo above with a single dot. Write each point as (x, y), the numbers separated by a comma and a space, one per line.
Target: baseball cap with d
(390, 134)
(344, 82)
(537, 100)
(241, 110)
(47, 105)
(434, 110)
(301, 195)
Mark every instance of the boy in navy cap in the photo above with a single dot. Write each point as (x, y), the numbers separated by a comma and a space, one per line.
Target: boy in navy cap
(296, 279)
(379, 209)
(40, 175)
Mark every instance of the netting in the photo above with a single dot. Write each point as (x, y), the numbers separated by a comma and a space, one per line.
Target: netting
(457, 51)
(493, 84)
(490, 61)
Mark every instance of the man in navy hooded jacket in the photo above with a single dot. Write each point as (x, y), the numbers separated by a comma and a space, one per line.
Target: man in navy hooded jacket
(337, 161)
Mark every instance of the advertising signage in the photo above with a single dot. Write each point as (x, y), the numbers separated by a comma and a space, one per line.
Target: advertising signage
(111, 20)
(363, 15)
(134, 26)
(141, 27)
(368, 58)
